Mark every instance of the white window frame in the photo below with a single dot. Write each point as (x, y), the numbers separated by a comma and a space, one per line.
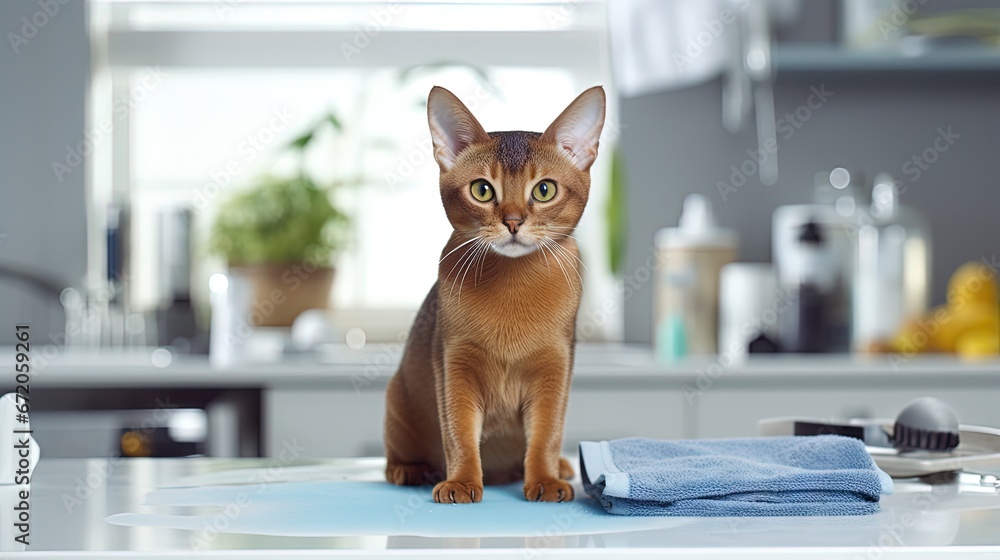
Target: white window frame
(576, 41)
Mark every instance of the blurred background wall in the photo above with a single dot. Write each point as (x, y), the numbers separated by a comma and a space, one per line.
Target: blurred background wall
(673, 142)
(876, 120)
(42, 108)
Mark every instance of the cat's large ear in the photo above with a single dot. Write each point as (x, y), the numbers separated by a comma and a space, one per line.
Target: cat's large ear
(453, 128)
(578, 129)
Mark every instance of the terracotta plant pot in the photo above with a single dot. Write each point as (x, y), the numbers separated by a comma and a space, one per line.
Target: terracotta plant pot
(282, 291)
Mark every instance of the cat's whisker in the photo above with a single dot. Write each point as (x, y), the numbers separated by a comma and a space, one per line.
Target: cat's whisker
(564, 235)
(459, 247)
(462, 257)
(466, 258)
(456, 265)
(563, 251)
(559, 261)
(482, 261)
(546, 257)
(569, 283)
(476, 259)
(471, 264)
(570, 253)
(544, 249)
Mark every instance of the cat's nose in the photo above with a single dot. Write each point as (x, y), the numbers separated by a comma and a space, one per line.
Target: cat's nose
(513, 222)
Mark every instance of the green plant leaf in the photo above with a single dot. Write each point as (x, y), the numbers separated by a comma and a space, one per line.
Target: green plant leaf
(279, 220)
(334, 121)
(285, 219)
(614, 212)
(302, 141)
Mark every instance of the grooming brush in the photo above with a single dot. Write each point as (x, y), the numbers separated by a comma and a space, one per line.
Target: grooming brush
(926, 424)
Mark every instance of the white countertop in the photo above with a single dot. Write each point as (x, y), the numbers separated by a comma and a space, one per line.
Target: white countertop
(595, 365)
(918, 521)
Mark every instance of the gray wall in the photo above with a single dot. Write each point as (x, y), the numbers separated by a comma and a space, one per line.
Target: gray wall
(42, 220)
(674, 144)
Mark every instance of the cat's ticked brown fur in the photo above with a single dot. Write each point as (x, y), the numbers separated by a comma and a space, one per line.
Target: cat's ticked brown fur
(481, 392)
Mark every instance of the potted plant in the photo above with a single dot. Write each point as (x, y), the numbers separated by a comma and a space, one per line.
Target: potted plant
(281, 235)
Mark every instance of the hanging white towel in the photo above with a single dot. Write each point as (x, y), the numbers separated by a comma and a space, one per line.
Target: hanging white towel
(660, 45)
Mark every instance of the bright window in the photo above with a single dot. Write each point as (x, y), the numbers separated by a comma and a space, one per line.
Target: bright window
(214, 97)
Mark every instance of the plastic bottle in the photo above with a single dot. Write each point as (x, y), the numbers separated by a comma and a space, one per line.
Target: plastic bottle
(813, 248)
(892, 281)
(686, 311)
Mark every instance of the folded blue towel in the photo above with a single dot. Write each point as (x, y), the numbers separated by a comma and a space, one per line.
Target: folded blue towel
(766, 476)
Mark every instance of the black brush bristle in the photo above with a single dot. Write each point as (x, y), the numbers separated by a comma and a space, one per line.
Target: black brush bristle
(906, 437)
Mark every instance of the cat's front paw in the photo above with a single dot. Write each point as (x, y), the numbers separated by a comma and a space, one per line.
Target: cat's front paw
(548, 490)
(454, 492)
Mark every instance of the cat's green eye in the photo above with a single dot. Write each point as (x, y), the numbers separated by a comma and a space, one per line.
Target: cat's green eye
(482, 190)
(544, 191)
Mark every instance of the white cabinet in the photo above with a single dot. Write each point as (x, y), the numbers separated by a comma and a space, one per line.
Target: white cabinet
(343, 423)
(614, 413)
(346, 423)
(328, 422)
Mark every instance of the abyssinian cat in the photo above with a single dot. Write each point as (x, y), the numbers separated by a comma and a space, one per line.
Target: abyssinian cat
(480, 395)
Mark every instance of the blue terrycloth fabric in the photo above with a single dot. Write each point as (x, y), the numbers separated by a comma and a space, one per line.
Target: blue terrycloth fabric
(765, 476)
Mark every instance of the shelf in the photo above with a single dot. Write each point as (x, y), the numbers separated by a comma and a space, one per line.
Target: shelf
(806, 58)
(610, 365)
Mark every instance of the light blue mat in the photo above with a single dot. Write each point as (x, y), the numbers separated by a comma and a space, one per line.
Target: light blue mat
(346, 508)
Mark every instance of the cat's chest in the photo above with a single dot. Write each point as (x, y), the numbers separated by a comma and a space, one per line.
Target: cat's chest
(515, 316)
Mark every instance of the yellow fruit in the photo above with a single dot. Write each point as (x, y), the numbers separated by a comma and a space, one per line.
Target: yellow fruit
(973, 283)
(952, 324)
(978, 343)
(911, 339)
